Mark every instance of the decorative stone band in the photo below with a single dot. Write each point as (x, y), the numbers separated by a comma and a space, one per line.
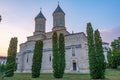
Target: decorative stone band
(50, 49)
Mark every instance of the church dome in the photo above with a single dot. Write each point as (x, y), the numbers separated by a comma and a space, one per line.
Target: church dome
(40, 15)
(58, 9)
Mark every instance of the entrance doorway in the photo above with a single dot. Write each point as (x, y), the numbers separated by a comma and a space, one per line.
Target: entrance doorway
(74, 66)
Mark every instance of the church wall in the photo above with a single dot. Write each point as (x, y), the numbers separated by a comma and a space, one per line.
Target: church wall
(20, 57)
(28, 56)
(47, 62)
(74, 43)
(22, 47)
(28, 62)
(26, 52)
(79, 47)
(47, 52)
(36, 37)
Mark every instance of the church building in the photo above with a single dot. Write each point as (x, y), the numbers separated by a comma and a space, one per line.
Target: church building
(76, 49)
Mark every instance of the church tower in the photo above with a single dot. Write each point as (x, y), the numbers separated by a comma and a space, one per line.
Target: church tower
(58, 19)
(40, 23)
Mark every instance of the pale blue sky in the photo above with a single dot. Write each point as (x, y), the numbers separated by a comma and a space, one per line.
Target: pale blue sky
(18, 17)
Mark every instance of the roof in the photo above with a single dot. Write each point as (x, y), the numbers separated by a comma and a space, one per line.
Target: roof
(40, 15)
(105, 43)
(58, 9)
(3, 56)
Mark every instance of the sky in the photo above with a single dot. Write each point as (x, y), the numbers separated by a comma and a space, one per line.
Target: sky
(18, 18)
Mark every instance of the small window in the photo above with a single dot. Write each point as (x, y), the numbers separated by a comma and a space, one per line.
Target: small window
(27, 59)
(50, 57)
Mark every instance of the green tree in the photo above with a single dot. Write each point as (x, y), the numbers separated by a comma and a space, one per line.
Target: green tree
(116, 44)
(91, 51)
(11, 58)
(109, 56)
(99, 56)
(37, 59)
(114, 54)
(58, 55)
(55, 55)
(2, 68)
(61, 54)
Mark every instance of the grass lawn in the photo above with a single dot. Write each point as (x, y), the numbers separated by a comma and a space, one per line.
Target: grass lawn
(110, 75)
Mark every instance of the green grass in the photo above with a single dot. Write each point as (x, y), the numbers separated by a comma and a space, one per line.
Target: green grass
(113, 74)
(110, 75)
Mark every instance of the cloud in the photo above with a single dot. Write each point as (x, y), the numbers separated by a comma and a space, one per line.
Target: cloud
(109, 34)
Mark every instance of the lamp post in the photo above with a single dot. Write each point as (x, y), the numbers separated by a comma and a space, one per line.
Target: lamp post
(0, 18)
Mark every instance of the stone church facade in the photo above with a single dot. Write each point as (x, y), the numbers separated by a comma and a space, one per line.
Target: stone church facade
(76, 50)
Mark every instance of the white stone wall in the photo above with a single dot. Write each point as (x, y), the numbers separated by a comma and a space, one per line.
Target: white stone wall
(81, 54)
(36, 37)
(77, 41)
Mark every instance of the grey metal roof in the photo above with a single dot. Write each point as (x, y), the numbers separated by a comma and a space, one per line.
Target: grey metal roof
(40, 15)
(58, 9)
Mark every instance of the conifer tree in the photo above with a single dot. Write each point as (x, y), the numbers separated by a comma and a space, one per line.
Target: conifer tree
(91, 51)
(99, 56)
(61, 54)
(37, 59)
(58, 55)
(11, 58)
(55, 55)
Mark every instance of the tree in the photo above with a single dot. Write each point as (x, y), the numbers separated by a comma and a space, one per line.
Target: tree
(110, 58)
(91, 51)
(2, 68)
(11, 58)
(99, 56)
(55, 55)
(95, 53)
(37, 59)
(116, 44)
(114, 54)
(62, 54)
(58, 55)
